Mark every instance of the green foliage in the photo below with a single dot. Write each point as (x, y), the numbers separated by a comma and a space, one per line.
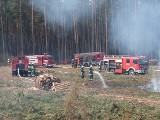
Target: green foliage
(30, 105)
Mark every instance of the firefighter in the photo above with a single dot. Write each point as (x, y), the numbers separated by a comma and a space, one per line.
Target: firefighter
(9, 61)
(100, 68)
(81, 61)
(72, 63)
(91, 73)
(82, 71)
(29, 69)
(75, 63)
(33, 70)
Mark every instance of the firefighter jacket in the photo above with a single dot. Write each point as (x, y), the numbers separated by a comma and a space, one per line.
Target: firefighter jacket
(29, 67)
(82, 69)
(91, 73)
(82, 72)
(33, 67)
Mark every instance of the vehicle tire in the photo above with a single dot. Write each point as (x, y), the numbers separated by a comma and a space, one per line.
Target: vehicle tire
(26, 73)
(131, 72)
(13, 73)
(111, 70)
(86, 65)
(45, 66)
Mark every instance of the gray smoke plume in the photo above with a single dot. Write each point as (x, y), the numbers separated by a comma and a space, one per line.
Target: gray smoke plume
(55, 10)
(58, 11)
(136, 26)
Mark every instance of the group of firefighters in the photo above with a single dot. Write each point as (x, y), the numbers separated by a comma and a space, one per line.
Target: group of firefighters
(74, 65)
(90, 72)
(31, 69)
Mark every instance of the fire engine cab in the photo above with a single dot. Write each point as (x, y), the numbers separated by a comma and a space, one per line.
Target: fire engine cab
(125, 64)
(89, 58)
(20, 65)
(41, 60)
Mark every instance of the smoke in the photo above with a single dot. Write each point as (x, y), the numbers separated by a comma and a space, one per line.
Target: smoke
(62, 12)
(55, 10)
(136, 25)
(154, 84)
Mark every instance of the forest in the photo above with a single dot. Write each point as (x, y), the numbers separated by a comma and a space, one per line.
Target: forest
(66, 27)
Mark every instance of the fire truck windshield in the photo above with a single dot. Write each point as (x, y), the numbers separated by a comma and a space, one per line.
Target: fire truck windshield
(142, 62)
(50, 58)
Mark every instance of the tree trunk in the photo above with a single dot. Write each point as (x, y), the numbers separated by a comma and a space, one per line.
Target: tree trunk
(45, 27)
(22, 46)
(33, 40)
(2, 32)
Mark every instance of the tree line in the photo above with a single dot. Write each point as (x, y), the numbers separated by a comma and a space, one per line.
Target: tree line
(26, 29)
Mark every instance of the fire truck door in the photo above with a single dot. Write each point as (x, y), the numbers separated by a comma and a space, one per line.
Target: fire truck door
(40, 61)
(111, 66)
(118, 66)
(127, 64)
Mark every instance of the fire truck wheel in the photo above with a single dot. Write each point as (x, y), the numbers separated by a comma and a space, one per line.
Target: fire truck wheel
(13, 73)
(45, 66)
(131, 72)
(26, 74)
(112, 70)
(86, 65)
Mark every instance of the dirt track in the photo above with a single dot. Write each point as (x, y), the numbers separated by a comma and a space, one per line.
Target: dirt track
(132, 99)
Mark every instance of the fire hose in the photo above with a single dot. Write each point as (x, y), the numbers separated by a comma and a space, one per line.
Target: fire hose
(23, 77)
(32, 81)
(19, 73)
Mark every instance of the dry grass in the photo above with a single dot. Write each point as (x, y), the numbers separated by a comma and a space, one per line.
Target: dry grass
(81, 99)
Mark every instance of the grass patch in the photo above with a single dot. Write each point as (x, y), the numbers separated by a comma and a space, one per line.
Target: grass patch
(82, 102)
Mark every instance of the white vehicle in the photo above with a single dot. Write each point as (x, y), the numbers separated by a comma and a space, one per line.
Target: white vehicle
(41, 60)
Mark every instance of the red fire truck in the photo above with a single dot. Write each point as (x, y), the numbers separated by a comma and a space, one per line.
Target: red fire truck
(41, 60)
(89, 58)
(20, 64)
(125, 64)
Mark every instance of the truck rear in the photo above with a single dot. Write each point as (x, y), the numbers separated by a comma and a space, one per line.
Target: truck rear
(19, 65)
(41, 60)
(87, 59)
